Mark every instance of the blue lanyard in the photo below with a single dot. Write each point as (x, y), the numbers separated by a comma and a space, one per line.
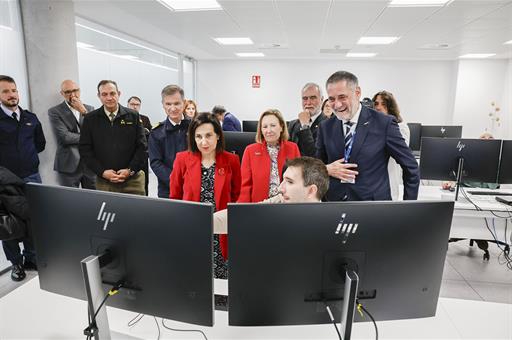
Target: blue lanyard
(348, 148)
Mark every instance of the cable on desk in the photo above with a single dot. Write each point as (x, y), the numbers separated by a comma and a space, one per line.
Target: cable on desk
(331, 317)
(361, 307)
(183, 330)
(92, 328)
(135, 320)
(158, 327)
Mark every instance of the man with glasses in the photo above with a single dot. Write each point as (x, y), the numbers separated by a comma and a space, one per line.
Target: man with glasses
(113, 144)
(66, 119)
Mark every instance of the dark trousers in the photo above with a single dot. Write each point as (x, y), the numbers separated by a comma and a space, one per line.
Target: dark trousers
(81, 177)
(12, 248)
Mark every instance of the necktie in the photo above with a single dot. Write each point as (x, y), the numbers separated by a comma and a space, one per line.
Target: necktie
(112, 115)
(348, 134)
(15, 116)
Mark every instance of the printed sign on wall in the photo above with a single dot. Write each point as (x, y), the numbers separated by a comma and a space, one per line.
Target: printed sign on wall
(256, 81)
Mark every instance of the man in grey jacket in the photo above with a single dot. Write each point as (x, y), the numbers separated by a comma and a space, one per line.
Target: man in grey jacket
(66, 119)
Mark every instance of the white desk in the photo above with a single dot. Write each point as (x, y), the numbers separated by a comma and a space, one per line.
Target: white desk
(30, 313)
(467, 221)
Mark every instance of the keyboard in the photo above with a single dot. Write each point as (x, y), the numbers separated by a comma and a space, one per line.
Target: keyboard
(489, 193)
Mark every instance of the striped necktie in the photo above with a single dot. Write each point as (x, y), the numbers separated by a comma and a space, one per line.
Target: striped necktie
(348, 133)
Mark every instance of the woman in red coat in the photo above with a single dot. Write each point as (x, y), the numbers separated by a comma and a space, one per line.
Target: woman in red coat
(207, 173)
(263, 161)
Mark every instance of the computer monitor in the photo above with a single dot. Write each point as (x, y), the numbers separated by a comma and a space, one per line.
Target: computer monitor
(440, 159)
(441, 131)
(161, 248)
(249, 125)
(236, 142)
(415, 136)
(505, 174)
(286, 262)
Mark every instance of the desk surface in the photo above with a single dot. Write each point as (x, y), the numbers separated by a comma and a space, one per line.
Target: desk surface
(30, 313)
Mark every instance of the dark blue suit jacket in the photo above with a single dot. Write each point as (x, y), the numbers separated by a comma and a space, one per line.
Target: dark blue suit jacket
(376, 139)
(231, 123)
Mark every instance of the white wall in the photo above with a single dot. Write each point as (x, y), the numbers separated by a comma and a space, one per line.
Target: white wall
(424, 89)
(133, 79)
(479, 83)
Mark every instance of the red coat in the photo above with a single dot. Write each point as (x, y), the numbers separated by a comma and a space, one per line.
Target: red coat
(186, 182)
(256, 169)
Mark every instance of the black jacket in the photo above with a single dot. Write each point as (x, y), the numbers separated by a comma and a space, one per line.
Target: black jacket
(306, 138)
(14, 213)
(20, 142)
(117, 145)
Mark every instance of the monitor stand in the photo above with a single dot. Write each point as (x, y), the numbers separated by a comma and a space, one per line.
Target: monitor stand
(95, 294)
(460, 168)
(349, 304)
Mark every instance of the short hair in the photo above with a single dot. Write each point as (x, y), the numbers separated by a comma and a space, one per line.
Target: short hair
(200, 119)
(169, 90)
(308, 85)
(218, 110)
(390, 103)
(338, 76)
(313, 171)
(106, 81)
(367, 102)
(136, 98)
(7, 79)
(272, 112)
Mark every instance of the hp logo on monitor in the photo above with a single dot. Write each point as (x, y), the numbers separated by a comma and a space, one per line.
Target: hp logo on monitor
(345, 229)
(443, 130)
(105, 216)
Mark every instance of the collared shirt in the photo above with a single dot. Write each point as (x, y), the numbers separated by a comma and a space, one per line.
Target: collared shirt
(9, 112)
(354, 120)
(108, 112)
(173, 123)
(75, 112)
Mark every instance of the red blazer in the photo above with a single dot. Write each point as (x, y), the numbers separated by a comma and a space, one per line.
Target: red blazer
(185, 181)
(256, 169)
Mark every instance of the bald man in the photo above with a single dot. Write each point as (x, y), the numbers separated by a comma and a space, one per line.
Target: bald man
(66, 119)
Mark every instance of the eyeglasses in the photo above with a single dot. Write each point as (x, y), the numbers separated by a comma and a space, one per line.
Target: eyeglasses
(68, 92)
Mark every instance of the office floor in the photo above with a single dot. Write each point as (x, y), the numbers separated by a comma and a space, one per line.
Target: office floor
(466, 275)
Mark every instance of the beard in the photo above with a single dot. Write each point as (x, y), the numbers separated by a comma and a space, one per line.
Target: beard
(13, 102)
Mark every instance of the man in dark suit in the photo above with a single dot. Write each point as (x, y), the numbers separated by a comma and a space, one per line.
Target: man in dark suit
(356, 146)
(228, 120)
(113, 144)
(303, 130)
(66, 119)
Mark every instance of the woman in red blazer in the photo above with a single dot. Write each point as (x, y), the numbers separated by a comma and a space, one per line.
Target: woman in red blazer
(263, 161)
(207, 173)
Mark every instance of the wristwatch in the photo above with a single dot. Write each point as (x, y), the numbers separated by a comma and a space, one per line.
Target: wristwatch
(131, 172)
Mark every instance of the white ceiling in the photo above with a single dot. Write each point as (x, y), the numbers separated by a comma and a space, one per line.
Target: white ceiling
(303, 28)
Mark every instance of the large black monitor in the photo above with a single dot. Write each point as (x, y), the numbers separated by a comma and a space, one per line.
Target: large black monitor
(441, 131)
(286, 262)
(440, 159)
(162, 249)
(249, 125)
(236, 142)
(415, 136)
(505, 175)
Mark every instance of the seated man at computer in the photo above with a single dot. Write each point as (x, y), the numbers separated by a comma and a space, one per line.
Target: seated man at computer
(305, 180)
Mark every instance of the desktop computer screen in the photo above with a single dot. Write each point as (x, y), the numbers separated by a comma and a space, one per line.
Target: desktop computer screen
(162, 249)
(415, 136)
(441, 131)
(293, 257)
(236, 142)
(440, 159)
(249, 125)
(505, 175)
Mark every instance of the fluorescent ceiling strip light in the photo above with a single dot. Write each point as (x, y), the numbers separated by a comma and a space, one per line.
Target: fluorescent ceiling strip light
(418, 3)
(476, 55)
(191, 5)
(361, 55)
(377, 40)
(129, 57)
(9, 28)
(250, 54)
(126, 41)
(508, 42)
(234, 41)
(84, 45)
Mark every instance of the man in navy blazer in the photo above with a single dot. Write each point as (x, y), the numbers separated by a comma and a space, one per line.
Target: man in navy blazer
(356, 146)
(228, 120)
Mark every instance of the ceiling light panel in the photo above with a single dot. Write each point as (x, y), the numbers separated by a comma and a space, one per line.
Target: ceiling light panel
(377, 40)
(191, 5)
(250, 54)
(476, 55)
(361, 55)
(418, 3)
(234, 41)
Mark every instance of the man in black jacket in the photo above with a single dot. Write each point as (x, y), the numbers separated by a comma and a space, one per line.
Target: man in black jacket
(21, 139)
(304, 129)
(113, 144)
